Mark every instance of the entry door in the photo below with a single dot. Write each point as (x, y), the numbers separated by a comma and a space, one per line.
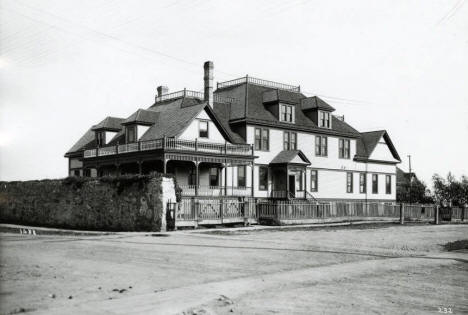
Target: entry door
(292, 185)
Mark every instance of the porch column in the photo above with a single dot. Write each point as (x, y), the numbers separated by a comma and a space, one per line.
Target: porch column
(164, 165)
(140, 167)
(287, 182)
(252, 182)
(225, 178)
(197, 179)
(305, 183)
(117, 169)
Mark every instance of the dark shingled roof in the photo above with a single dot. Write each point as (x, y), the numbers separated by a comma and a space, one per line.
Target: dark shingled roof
(368, 141)
(109, 123)
(286, 156)
(142, 116)
(257, 111)
(315, 102)
(86, 139)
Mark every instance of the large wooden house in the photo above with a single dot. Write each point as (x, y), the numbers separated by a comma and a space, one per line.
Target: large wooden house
(249, 137)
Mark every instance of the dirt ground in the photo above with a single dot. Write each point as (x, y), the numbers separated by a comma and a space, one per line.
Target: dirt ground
(384, 269)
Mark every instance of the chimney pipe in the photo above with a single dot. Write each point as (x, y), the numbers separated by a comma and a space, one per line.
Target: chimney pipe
(162, 90)
(208, 79)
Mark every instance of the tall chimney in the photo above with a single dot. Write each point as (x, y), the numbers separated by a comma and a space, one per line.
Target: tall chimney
(162, 90)
(208, 79)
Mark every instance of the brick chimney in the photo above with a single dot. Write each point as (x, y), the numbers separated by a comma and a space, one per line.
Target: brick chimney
(208, 79)
(162, 90)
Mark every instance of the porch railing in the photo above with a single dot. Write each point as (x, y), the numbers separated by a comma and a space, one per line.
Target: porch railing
(214, 191)
(172, 144)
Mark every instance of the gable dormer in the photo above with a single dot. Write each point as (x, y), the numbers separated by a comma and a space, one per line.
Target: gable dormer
(318, 111)
(282, 104)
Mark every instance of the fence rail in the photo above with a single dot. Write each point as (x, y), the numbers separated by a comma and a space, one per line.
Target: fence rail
(202, 190)
(257, 81)
(172, 144)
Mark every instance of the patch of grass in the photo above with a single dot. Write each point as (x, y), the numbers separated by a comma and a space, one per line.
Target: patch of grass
(457, 245)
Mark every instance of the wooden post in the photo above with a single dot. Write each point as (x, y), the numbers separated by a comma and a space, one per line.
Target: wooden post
(252, 182)
(197, 180)
(221, 209)
(196, 144)
(140, 167)
(436, 215)
(402, 214)
(225, 180)
(164, 165)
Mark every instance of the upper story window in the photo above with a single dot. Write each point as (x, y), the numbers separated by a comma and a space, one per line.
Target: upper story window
(131, 134)
(289, 140)
(324, 119)
(349, 182)
(262, 139)
(321, 146)
(101, 138)
(287, 113)
(343, 148)
(203, 129)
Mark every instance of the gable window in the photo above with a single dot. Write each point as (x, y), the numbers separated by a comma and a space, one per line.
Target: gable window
(131, 133)
(262, 178)
(241, 176)
(362, 183)
(313, 180)
(321, 146)
(324, 119)
(375, 183)
(203, 129)
(100, 138)
(388, 184)
(349, 182)
(214, 176)
(343, 148)
(287, 113)
(262, 139)
(289, 140)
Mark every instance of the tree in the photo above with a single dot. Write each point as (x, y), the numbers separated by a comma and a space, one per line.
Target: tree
(413, 191)
(451, 191)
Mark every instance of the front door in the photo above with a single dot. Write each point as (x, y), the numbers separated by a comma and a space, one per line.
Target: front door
(292, 185)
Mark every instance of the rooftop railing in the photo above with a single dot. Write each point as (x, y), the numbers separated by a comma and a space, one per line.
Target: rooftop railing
(257, 81)
(193, 94)
(172, 144)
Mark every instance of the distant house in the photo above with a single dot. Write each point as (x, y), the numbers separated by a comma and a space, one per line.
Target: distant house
(249, 137)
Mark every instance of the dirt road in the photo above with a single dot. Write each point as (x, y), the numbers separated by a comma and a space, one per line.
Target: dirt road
(388, 269)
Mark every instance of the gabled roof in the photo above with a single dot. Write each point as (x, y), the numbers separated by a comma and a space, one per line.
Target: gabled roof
(250, 108)
(288, 157)
(143, 117)
(109, 123)
(369, 140)
(315, 102)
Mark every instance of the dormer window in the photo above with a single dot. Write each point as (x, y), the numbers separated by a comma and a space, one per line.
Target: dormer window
(131, 134)
(287, 113)
(100, 138)
(324, 119)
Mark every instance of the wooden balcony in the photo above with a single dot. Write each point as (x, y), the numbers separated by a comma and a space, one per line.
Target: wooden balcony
(172, 144)
(215, 191)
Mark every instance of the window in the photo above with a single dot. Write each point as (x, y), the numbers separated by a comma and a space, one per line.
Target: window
(131, 134)
(76, 173)
(324, 119)
(100, 138)
(289, 140)
(349, 182)
(287, 113)
(263, 178)
(262, 139)
(362, 183)
(192, 178)
(388, 184)
(203, 129)
(241, 176)
(321, 146)
(343, 148)
(214, 176)
(375, 183)
(313, 180)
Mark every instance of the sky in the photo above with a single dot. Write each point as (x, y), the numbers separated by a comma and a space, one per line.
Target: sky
(65, 65)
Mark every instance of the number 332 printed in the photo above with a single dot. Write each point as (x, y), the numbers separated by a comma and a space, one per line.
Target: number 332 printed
(445, 310)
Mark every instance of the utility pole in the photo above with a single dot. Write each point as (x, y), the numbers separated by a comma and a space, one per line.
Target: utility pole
(410, 179)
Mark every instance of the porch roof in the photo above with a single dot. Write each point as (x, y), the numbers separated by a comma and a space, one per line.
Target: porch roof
(290, 157)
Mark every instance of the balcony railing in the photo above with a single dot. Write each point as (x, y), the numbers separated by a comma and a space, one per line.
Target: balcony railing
(266, 83)
(214, 191)
(194, 94)
(172, 144)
